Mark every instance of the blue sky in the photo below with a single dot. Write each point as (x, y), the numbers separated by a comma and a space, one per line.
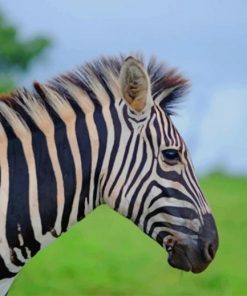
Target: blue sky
(205, 40)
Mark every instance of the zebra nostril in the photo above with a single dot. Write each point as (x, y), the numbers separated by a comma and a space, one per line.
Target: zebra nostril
(209, 251)
(209, 238)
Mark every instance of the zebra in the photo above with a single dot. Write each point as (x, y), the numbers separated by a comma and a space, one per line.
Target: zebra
(102, 134)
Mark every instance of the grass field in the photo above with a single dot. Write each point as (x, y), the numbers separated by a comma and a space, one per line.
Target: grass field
(107, 255)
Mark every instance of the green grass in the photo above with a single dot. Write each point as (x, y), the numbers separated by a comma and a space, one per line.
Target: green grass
(106, 254)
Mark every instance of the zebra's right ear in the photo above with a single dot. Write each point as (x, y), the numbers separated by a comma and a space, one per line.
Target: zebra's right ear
(135, 85)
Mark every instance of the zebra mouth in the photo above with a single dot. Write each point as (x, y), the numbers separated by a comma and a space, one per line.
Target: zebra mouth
(186, 259)
(178, 258)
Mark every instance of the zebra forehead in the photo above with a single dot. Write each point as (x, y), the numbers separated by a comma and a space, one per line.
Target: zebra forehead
(167, 85)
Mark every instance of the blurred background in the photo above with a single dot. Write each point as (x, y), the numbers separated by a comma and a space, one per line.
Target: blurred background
(207, 42)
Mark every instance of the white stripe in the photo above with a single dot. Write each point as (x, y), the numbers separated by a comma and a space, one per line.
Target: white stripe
(101, 93)
(68, 116)
(87, 106)
(19, 255)
(5, 285)
(124, 137)
(123, 178)
(194, 224)
(196, 197)
(148, 168)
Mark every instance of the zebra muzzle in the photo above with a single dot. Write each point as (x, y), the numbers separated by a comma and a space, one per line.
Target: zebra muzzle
(194, 254)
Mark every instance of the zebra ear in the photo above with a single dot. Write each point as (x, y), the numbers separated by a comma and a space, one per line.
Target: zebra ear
(135, 84)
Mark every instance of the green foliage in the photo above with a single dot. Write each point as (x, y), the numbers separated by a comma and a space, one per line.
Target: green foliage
(106, 255)
(16, 55)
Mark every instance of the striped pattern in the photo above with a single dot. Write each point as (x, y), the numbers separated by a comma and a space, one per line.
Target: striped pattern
(73, 144)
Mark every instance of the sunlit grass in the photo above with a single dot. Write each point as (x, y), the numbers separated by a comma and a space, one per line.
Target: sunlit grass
(106, 254)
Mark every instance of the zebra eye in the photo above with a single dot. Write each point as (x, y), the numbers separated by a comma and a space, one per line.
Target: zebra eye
(171, 156)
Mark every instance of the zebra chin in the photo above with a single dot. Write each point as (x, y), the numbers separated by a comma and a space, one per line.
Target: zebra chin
(190, 254)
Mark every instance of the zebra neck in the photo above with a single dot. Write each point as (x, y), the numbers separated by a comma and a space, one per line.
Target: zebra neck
(49, 176)
(58, 156)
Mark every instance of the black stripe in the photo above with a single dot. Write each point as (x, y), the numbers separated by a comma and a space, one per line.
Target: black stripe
(149, 136)
(15, 260)
(126, 152)
(174, 176)
(163, 126)
(86, 160)
(140, 168)
(170, 127)
(126, 118)
(168, 225)
(68, 171)
(135, 195)
(180, 212)
(18, 205)
(165, 192)
(177, 139)
(117, 136)
(193, 175)
(46, 182)
(103, 136)
(118, 199)
(134, 156)
(158, 133)
(4, 272)
(160, 236)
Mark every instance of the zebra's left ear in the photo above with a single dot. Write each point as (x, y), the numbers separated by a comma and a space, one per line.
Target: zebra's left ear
(135, 85)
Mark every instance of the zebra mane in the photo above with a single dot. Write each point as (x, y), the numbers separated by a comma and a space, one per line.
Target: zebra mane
(105, 69)
(167, 85)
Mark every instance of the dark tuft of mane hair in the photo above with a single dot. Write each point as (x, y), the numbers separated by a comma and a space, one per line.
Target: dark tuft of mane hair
(163, 78)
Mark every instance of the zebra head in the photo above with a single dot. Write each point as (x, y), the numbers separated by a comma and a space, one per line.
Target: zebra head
(153, 181)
